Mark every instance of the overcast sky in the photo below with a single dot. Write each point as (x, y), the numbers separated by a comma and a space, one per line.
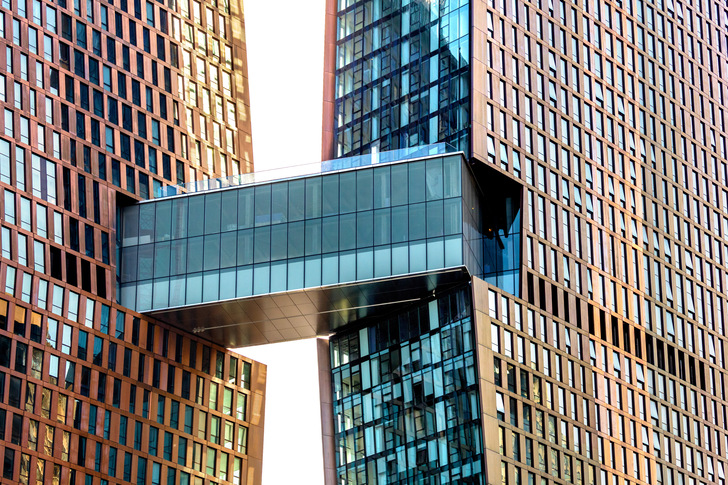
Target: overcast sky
(285, 69)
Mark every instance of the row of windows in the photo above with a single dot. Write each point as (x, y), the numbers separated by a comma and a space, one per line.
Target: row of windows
(609, 391)
(121, 143)
(70, 411)
(115, 323)
(206, 424)
(311, 198)
(140, 471)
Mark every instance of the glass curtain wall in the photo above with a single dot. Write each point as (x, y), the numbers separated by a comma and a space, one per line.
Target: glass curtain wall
(342, 227)
(406, 406)
(402, 75)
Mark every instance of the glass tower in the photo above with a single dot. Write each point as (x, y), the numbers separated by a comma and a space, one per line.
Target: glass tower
(104, 103)
(609, 366)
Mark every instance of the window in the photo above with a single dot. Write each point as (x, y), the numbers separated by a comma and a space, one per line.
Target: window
(213, 395)
(245, 377)
(39, 256)
(227, 405)
(9, 131)
(229, 434)
(109, 139)
(243, 440)
(182, 451)
(66, 339)
(242, 406)
(215, 429)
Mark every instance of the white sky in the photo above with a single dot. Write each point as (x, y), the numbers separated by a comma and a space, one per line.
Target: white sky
(285, 67)
(292, 450)
(285, 43)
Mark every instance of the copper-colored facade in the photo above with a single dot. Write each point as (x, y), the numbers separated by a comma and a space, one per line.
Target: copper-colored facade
(104, 103)
(329, 93)
(122, 399)
(608, 367)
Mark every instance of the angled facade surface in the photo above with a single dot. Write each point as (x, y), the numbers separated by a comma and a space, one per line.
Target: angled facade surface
(105, 103)
(606, 365)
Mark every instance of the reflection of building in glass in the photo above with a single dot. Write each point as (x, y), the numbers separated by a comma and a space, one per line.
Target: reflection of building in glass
(284, 236)
(406, 399)
(402, 76)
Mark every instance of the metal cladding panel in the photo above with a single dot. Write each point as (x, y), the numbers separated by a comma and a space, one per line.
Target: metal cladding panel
(308, 312)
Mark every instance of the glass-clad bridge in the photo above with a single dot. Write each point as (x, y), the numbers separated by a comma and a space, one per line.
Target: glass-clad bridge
(297, 257)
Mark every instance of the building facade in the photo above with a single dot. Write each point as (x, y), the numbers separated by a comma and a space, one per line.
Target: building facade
(405, 396)
(606, 365)
(397, 75)
(552, 314)
(105, 103)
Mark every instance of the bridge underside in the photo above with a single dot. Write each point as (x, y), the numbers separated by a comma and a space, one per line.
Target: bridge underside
(308, 312)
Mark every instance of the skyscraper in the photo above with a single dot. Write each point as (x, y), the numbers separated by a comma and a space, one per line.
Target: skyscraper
(605, 363)
(544, 306)
(104, 104)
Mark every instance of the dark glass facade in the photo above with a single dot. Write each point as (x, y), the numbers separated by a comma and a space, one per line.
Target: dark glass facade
(405, 389)
(402, 75)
